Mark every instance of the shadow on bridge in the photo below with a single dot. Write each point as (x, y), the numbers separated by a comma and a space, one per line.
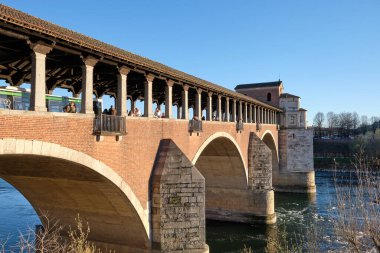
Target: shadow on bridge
(229, 195)
(64, 189)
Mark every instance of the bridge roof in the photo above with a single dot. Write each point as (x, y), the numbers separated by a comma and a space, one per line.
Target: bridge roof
(57, 34)
(258, 85)
(288, 95)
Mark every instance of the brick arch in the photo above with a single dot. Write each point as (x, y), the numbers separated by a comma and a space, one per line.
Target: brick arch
(222, 135)
(265, 135)
(220, 161)
(271, 143)
(65, 182)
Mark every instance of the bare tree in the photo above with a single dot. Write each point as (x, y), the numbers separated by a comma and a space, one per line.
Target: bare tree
(345, 123)
(332, 122)
(374, 123)
(319, 118)
(364, 124)
(358, 208)
(355, 120)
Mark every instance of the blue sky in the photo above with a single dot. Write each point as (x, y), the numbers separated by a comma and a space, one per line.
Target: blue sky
(327, 52)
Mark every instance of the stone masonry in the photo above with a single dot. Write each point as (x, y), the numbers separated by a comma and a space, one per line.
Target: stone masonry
(296, 150)
(259, 164)
(178, 202)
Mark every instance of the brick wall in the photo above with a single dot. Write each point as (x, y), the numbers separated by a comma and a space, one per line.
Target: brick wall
(261, 94)
(133, 156)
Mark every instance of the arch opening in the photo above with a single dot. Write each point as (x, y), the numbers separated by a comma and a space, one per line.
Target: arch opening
(63, 189)
(220, 162)
(271, 144)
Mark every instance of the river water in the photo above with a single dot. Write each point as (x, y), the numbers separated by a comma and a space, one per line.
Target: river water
(294, 212)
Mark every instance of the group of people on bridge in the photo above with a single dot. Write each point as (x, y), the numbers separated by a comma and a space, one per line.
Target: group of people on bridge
(70, 108)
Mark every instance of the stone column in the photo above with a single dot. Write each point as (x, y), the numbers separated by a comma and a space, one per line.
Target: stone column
(245, 113)
(148, 96)
(87, 84)
(38, 81)
(269, 117)
(185, 102)
(263, 115)
(178, 111)
(227, 109)
(254, 114)
(234, 110)
(209, 107)
(219, 108)
(133, 105)
(169, 98)
(240, 116)
(259, 115)
(250, 113)
(122, 91)
(272, 117)
(275, 118)
(198, 103)
(266, 116)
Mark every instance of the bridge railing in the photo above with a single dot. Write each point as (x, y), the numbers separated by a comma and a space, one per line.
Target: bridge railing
(109, 125)
(195, 126)
(5, 103)
(239, 126)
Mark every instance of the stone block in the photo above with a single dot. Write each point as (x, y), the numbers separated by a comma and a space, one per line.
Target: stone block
(174, 181)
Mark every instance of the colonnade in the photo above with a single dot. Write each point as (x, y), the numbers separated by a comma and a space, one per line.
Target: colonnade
(227, 109)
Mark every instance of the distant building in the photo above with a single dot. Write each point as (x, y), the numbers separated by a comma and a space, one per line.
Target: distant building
(266, 92)
(273, 93)
(295, 141)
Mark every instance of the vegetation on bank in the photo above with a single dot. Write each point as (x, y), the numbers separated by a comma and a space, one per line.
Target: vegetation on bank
(340, 153)
(52, 239)
(343, 125)
(355, 217)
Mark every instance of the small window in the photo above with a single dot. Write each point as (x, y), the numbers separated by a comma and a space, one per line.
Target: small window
(269, 97)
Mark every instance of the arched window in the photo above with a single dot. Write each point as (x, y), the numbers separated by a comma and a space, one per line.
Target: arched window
(269, 96)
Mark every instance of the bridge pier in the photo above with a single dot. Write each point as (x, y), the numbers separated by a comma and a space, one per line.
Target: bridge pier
(244, 206)
(296, 165)
(177, 197)
(294, 181)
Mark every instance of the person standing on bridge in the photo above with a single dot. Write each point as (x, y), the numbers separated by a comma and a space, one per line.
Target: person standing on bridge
(157, 113)
(73, 108)
(137, 112)
(66, 108)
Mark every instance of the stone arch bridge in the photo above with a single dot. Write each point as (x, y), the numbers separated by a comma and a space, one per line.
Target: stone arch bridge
(145, 184)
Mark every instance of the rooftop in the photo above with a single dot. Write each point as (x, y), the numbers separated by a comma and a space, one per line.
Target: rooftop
(288, 95)
(259, 85)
